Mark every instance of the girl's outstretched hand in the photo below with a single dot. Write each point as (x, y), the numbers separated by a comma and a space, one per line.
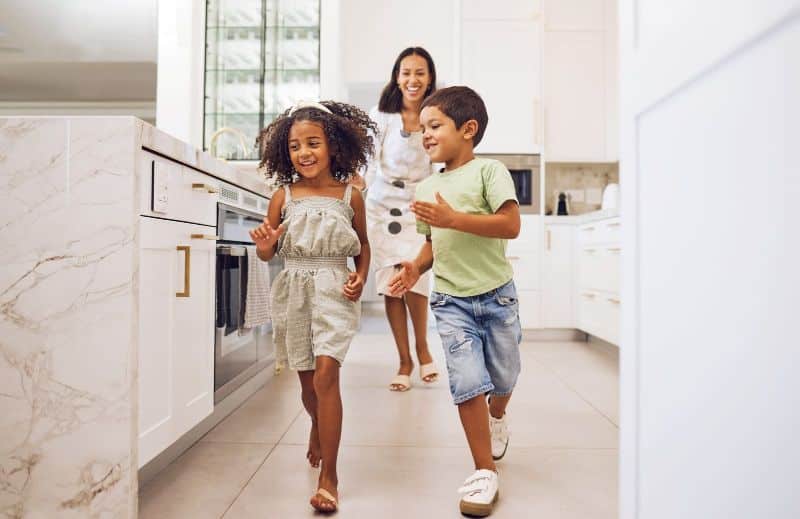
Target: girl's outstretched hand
(354, 286)
(265, 237)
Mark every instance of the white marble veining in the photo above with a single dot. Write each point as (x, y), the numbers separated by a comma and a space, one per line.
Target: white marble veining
(67, 314)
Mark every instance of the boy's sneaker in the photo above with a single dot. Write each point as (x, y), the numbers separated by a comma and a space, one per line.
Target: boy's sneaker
(480, 492)
(499, 430)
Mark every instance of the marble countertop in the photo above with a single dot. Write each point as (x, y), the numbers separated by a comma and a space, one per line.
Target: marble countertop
(579, 219)
(159, 141)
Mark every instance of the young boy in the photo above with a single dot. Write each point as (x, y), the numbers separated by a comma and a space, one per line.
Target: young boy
(467, 211)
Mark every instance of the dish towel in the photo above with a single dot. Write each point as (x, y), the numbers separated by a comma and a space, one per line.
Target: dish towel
(256, 309)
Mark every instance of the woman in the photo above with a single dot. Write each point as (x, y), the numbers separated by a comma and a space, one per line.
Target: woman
(399, 164)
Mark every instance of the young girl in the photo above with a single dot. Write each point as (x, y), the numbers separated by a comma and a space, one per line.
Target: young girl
(315, 221)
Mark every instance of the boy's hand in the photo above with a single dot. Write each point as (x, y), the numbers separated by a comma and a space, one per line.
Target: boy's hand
(439, 214)
(265, 237)
(406, 277)
(354, 286)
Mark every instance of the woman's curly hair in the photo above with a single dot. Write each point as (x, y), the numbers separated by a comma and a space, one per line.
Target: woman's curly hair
(349, 132)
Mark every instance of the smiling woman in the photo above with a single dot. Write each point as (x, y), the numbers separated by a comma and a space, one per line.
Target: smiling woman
(399, 164)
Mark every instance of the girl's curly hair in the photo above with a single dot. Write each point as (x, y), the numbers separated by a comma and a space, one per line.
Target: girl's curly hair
(349, 132)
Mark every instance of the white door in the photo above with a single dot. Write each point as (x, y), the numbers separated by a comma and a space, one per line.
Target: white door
(176, 341)
(557, 274)
(710, 127)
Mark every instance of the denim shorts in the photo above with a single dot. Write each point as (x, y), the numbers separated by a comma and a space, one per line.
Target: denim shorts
(481, 336)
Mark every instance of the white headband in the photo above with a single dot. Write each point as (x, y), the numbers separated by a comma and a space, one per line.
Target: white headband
(309, 104)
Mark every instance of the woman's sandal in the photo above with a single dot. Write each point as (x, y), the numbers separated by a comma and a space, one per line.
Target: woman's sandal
(327, 498)
(428, 373)
(400, 383)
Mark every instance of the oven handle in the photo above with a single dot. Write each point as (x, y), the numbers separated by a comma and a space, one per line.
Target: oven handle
(227, 250)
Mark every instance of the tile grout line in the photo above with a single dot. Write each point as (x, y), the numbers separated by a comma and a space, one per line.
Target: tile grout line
(241, 490)
(568, 386)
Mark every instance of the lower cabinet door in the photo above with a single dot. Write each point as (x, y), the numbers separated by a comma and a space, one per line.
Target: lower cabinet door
(176, 339)
(530, 308)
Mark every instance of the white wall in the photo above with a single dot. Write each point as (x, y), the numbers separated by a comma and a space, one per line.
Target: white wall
(181, 54)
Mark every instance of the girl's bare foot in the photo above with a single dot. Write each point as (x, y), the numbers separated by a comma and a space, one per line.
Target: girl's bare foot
(314, 453)
(327, 496)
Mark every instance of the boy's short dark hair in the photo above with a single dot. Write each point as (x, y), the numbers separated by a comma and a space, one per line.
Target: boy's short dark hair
(461, 103)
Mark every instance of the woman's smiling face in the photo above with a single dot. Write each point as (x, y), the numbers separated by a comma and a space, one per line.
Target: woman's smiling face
(309, 150)
(413, 78)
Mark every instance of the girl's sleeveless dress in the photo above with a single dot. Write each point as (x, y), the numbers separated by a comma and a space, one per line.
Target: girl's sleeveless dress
(310, 314)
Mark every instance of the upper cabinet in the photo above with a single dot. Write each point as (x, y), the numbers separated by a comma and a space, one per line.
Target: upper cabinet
(508, 10)
(580, 81)
(500, 57)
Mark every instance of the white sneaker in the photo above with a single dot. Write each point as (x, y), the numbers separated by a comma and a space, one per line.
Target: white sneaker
(480, 492)
(499, 430)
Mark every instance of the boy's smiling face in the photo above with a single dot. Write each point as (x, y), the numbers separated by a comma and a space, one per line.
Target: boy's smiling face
(441, 139)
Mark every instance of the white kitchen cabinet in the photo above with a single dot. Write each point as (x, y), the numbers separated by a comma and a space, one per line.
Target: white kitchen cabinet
(574, 96)
(580, 81)
(598, 278)
(524, 255)
(508, 10)
(574, 15)
(501, 60)
(176, 341)
(557, 276)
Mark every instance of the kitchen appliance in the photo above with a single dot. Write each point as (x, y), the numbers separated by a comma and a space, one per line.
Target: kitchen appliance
(525, 170)
(610, 197)
(238, 354)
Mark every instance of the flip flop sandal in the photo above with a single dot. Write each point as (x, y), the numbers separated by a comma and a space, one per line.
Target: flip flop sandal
(328, 497)
(428, 370)
(400, 383)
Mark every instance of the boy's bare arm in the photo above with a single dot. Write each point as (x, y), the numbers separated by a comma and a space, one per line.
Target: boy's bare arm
(504, 223)
(410, 271)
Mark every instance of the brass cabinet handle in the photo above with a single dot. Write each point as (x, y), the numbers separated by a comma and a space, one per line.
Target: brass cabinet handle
(612, 300)
(613, 224)
(204, 237)
(614, 249)
(208, 188)
(588, 295)
(548, 239)
(187, 277)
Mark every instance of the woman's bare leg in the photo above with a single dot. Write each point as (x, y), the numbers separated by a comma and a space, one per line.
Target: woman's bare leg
(398, 322)
(418, 308)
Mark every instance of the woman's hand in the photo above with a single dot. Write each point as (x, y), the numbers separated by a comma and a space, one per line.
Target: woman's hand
(265, 237)
(439, 214)
(406, 277)
(354, 286)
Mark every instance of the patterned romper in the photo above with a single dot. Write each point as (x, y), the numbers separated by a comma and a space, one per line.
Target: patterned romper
(310, 314)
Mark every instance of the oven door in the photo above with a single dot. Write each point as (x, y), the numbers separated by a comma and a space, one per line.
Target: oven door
(238, 353)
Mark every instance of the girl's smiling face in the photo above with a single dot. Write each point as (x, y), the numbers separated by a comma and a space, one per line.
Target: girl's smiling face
(309, 150)
(413, 78)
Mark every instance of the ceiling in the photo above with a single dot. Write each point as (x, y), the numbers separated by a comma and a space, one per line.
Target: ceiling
(78, 50)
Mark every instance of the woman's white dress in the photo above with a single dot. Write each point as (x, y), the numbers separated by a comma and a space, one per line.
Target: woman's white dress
(399, 165)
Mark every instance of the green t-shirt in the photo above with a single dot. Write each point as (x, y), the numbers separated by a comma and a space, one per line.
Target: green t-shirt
(466, 264)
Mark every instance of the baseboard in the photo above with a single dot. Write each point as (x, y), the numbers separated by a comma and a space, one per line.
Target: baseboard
(221, 411)
(553, 335)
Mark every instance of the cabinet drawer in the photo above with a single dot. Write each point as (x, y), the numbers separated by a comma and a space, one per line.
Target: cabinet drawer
(173, 191)
(598, 268)
(599, 315)
(600, 232)
(609, 318)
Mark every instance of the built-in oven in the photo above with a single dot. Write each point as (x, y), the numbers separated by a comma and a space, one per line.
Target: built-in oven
(525, 172)
(239, 353)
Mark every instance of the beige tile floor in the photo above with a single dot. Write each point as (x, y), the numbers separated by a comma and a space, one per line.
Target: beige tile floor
(404, 455)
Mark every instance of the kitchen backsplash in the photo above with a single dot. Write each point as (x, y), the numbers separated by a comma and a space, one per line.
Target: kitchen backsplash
(583, 184)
